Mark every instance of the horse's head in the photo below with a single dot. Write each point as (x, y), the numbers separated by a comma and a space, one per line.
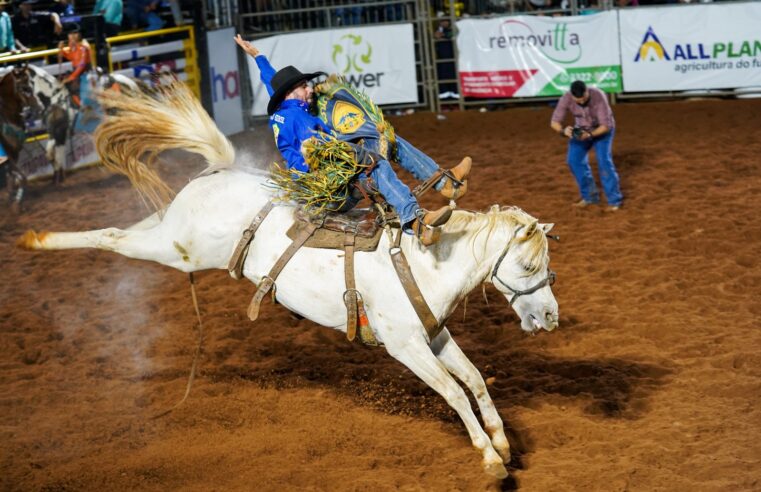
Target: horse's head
(522, 274)
(14, 96)
(24, 76)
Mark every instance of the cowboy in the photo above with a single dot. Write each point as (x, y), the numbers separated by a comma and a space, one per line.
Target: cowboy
(78, 53)
(291, 122)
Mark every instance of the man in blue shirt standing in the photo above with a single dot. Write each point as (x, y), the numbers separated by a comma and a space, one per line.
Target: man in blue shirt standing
(292, 124)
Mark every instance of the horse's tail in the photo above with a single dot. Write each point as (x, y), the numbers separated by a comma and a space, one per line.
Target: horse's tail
(139, 126)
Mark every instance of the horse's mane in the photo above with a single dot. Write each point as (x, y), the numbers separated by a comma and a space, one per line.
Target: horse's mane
(535, 255)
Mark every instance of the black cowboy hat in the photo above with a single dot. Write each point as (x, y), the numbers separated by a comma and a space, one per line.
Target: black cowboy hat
(284, 81)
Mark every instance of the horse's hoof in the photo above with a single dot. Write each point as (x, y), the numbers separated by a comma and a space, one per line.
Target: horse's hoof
(29, 240)
(504, 453)
(497, 470)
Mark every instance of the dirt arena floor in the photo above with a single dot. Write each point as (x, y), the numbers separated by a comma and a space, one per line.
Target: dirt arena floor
(652, 381)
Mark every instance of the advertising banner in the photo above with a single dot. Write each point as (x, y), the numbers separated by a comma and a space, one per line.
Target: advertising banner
(225, 80)
(528, 56)
(378, 60)
(696, 47)
(79, 152)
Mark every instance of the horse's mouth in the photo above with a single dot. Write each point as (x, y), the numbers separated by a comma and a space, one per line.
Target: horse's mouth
(536, 325)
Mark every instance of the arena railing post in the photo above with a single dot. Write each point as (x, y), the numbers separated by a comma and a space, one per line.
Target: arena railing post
(199, 27)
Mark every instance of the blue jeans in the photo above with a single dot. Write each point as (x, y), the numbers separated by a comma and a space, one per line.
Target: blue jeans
(578, 161)
(396, 193)
(411, 159)
(3, 154)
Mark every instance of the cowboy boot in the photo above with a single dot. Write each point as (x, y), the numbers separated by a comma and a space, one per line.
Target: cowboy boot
(427, 224)
(460, 172)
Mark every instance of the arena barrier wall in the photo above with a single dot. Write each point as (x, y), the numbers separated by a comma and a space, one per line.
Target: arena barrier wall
(625, 51)
(224, 78)
(701, 47)
(527, 56)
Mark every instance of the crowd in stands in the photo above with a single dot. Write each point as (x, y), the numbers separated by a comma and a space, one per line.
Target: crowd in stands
(317, 14)
(36, 24)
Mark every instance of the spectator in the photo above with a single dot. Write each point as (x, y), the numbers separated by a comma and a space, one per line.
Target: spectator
(7, 41)
(594, 126)
(35, 28)
(64, 8)
(111, 10)
(349, 16)
(78, 53)
(143, 13)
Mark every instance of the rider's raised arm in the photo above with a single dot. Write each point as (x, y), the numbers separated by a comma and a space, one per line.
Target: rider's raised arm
(266, 72)
(265, 69)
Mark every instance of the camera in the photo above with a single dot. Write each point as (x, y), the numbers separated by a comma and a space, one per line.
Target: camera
(577, 132)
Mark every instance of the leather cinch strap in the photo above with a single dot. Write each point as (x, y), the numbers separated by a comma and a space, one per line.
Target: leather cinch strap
(423, 311)
(269, 280)
(235, 265)
(350, 295)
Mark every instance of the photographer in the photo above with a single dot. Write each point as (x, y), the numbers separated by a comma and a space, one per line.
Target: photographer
(594, 126)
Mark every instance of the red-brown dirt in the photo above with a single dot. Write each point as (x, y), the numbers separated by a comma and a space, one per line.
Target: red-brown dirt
(652, 381)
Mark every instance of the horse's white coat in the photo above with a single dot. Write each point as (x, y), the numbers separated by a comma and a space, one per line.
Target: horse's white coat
(201, 227)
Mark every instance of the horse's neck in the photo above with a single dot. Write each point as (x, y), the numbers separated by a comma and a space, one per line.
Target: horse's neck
(53, 90)
(464, 255)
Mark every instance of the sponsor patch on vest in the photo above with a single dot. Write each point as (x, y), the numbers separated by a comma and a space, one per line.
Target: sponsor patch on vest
(276, 131)
(278, 118)
(347, 118)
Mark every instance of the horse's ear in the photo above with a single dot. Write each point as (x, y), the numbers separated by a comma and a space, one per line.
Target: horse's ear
(547, 227)
(528, 231)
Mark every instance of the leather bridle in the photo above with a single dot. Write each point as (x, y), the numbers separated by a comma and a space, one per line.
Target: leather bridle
(548, 280)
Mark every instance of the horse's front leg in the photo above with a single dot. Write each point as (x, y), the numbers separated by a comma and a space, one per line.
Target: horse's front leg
(457, 363)
(417, 356)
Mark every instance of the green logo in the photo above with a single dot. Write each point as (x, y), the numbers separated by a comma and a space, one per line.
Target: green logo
(350, 53)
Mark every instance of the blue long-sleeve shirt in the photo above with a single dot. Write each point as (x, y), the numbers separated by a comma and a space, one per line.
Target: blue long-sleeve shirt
(291, 123)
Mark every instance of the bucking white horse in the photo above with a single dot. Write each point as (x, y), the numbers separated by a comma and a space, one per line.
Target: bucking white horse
(201, 226)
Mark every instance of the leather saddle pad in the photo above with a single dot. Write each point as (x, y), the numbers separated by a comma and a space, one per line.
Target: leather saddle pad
(334, 226)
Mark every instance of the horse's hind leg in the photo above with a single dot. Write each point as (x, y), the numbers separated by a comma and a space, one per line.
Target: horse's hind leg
(140, 244)
(417, 356)
(456, 362)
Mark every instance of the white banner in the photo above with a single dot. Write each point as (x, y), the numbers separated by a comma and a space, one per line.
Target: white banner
(225, 80)
(537, 56)
(695, 47)
(378, 60)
